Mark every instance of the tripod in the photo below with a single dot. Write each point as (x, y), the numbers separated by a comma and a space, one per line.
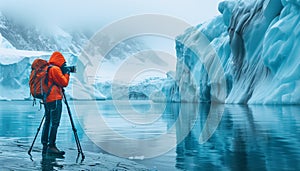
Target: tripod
(73, 128)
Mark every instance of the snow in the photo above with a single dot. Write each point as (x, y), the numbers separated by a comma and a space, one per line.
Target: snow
(26, 35)
(10, 55)
(257, 44)
(2, 22)
(4, 43)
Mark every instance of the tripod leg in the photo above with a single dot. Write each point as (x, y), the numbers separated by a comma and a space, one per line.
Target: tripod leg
(38, 130)
(78, 146)
(73, 128)
(75, 134)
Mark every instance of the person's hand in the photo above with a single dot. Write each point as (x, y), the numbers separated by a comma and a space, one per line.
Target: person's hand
(65, 69)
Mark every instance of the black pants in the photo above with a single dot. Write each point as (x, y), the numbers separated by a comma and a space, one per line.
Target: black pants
(53, 115)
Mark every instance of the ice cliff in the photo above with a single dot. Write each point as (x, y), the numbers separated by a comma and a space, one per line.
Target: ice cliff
(257, 42)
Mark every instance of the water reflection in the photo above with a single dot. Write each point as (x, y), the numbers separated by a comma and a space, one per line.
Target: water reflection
(49, 163)
(248, 138)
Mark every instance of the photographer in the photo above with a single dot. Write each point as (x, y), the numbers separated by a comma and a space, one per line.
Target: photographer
(58, 77)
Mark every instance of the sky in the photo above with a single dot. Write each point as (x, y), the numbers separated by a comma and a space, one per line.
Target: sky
(99, 13)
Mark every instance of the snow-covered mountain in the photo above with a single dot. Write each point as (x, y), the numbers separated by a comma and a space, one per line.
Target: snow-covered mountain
(35, 37)
(21, 43)
(257, 42)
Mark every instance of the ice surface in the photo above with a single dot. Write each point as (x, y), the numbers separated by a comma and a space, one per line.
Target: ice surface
(257, 43)
(263, 134)
(13, 156)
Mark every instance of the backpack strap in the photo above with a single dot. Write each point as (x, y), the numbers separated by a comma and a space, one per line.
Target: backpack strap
(34, 76)
(46, 81)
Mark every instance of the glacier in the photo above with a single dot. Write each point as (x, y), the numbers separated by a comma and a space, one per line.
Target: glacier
(257, 43)
(148, 89)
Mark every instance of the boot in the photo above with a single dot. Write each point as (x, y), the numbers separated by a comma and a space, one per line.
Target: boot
(53, 150)
(44, 151)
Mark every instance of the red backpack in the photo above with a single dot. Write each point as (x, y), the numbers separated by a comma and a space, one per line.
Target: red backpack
(38, 81)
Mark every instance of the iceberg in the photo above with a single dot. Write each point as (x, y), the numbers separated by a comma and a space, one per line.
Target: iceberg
(257, 43)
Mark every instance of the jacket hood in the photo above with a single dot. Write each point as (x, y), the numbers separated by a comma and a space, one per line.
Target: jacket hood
(57, 59)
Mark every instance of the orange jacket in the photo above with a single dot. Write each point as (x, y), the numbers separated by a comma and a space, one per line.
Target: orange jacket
(56, 77)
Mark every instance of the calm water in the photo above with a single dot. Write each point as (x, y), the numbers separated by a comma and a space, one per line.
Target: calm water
(241, 137)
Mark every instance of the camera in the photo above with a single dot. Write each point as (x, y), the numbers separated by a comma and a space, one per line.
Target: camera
(72, 69)
(68, 69)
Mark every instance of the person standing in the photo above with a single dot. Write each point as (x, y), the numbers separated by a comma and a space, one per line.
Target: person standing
(58, 77)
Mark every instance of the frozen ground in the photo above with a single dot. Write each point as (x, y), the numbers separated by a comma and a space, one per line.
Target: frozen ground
(13, 156)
